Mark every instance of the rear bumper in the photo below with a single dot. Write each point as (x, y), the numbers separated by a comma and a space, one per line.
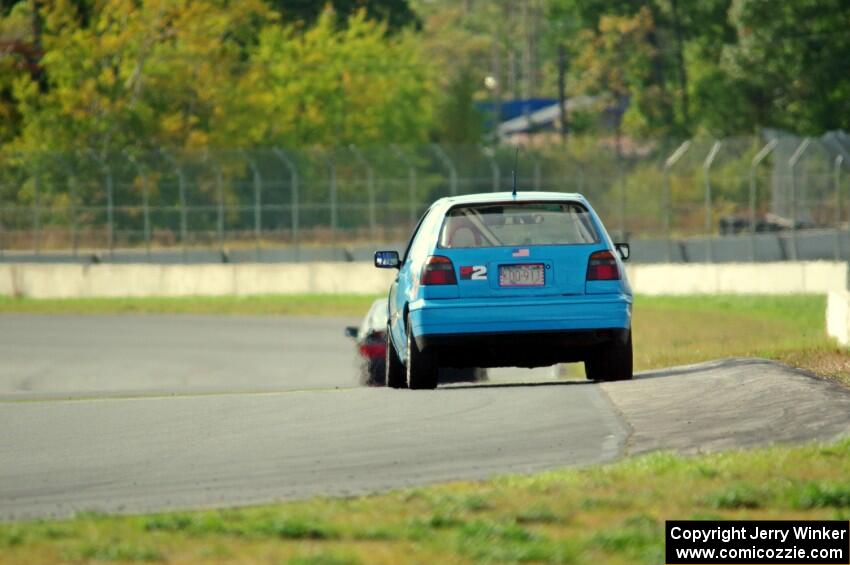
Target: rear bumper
(550, 314)
(518, 349)
(525, 333)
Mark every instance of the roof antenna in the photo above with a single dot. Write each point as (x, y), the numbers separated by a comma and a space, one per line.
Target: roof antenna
(516, 156)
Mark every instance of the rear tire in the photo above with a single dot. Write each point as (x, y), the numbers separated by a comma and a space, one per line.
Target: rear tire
(374, 372)
(395, 373)
(421, 368)
(612, 362)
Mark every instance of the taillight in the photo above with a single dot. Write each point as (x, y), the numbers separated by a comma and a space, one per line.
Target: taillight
(438, 270)
(374, 346)
(602, 266)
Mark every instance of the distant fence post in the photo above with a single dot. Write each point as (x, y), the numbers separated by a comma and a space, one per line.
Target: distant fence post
(411, 183)
(293, 197)
(219, 220)
(36, 207)
(441, 155)
(621, 180)
(668, 198)
(754, 164)
(792, 168)
(332, 194)
(579, 177)
(839, 161)
(181, 186)
(219, 197)
(71, 183)
(2, 225)
(146, 211)
(257, 181)
(537, 173)
(370, 188)
(489, 153)
(706, 167)
(110, 211)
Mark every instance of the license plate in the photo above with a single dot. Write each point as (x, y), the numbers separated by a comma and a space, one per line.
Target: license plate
(522, 275)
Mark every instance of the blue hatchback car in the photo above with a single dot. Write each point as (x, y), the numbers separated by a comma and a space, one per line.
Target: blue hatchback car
(504, 279)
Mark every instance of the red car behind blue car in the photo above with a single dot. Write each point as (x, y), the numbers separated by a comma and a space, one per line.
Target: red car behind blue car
(371, 339)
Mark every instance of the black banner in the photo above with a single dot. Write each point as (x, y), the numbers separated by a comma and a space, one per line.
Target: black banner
(753, 541)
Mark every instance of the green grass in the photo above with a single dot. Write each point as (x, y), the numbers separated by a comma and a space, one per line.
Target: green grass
(688, 329)
(807, 310)
(290, 305)
(553, 517)
(112, 550)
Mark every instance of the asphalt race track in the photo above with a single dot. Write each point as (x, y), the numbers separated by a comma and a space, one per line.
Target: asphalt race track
(137, 413)
(60, 356)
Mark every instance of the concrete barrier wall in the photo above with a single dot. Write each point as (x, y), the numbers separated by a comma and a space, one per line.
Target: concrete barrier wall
(838, 316)
(33, 280)
(40, 280)
(803, 277)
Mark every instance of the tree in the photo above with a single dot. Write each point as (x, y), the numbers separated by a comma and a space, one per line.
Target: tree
(332, 86)
(20, 57)
(457, 120)
(682, 34)
(147, 75)
(396, 14)
(192, 74)
(615, 62)
(791, 60)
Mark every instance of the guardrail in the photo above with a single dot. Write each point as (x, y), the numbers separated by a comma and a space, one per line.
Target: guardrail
(108, 280)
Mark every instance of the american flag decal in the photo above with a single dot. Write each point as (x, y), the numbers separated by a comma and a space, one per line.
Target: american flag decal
(520, 253)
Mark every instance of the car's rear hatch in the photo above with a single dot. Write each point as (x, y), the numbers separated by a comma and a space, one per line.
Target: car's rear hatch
(510, 249)
(520, 271)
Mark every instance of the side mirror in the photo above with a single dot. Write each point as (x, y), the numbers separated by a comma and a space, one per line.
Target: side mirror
(351, 331)
(624, 250)
(387, 259)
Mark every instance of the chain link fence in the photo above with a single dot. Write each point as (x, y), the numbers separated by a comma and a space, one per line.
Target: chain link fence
(322, 203)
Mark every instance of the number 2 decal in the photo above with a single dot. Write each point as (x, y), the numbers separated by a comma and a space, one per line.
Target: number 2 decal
(479, 273)
(474, 273)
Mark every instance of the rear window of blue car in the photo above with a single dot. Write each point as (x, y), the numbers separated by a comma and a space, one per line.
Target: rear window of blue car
(515, 224)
